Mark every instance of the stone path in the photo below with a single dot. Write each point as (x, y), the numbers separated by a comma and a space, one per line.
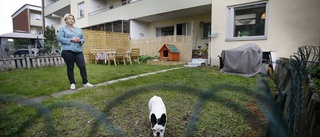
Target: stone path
(67, 92)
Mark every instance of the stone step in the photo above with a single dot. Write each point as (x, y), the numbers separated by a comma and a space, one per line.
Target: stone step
(200, 60)
(192, 65)
(196, 63)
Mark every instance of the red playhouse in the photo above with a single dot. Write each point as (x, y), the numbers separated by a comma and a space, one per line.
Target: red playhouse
(169, 52)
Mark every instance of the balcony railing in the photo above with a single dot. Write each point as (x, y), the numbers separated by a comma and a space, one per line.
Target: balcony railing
(113, 6)
(35, 22)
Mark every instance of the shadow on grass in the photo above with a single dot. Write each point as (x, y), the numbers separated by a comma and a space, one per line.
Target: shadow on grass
(102, 119)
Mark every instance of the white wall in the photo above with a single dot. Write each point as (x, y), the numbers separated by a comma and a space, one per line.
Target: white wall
(74, 10)
(96, 5)
(138, 29)
(53, 21)
(291, 24)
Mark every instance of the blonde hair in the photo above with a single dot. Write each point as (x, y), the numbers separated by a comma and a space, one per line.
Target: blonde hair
(66, 17)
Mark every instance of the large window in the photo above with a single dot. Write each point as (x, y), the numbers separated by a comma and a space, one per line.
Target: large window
(247, 22)
(177, 29)
(165, 31)
(81, 10)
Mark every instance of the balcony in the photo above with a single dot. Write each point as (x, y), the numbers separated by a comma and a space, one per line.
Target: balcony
(150, 10)
(35, 22)
(57, 8)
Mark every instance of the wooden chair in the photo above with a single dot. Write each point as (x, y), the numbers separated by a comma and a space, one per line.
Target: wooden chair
(101, 56)
(134, 54)
(120, 56)
(93, 53)
(111, 55)
(127, 57)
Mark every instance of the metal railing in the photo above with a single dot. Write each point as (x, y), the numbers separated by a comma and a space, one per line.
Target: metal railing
(113, 6)
(285, 109)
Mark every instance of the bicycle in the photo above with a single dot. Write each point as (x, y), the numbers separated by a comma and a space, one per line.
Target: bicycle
(202, 52)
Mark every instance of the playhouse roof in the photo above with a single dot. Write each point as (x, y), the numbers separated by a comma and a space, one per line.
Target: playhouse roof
(172, 48)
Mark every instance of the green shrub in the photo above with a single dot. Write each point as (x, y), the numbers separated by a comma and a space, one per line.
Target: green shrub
(145, 58)
(314, 72)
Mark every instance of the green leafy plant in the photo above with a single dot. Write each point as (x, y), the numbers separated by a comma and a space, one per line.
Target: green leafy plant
(246, 32)
(145, 58)
(22, 42)
(314, 72)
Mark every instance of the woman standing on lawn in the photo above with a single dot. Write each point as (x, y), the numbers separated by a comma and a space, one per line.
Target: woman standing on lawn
(72, 39)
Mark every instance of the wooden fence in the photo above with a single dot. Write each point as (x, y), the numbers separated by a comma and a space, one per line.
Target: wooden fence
(96, 40)
(310, 103)
(19, 62)
(104, 40)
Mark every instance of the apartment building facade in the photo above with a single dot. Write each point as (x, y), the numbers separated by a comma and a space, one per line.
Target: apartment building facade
(276, 26)
(28, 19)
(279, 26)
(142, 19)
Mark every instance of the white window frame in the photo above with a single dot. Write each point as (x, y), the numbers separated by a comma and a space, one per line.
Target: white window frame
(81, 7)
(231, 27)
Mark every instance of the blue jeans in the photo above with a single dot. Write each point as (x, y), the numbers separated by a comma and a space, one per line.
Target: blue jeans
(70, 58)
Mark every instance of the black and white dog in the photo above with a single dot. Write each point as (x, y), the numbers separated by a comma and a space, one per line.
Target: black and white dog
(157, 116)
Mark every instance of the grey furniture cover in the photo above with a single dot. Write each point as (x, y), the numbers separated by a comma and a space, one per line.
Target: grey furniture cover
(245, 60)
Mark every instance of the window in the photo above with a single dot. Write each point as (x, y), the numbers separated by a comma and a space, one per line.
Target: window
(81, 10)
(247, 22)
(178, 29)
(117, 26)
(181, 29)
(38, 17)
(165, 31)
(206, 30)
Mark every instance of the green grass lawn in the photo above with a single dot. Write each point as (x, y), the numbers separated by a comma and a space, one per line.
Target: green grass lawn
(199, 101)
(45, 81)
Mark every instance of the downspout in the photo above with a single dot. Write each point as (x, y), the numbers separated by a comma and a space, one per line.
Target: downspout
(43, 19)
